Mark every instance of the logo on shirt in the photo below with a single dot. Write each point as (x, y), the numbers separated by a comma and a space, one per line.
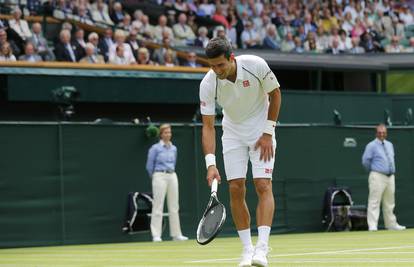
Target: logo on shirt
(246, 83)
(203, 104)
(268, 170)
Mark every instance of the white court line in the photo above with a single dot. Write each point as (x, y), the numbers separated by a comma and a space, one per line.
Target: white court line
(307, 253)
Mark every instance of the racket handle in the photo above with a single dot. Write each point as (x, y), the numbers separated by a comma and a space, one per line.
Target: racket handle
(214, 185)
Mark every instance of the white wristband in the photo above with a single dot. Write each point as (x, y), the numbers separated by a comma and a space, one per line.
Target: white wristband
(210, 160)
(270, 127)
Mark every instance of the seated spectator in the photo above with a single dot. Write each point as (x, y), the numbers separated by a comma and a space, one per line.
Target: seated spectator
(410, 48)
(119, 58)
(328, 21)
(83, 16)
(358, 29)
(348, 23)
(311, 45)
(298, 45)
(125, 24)
(356, 48)
(181, 6)
(91, 56)
(344, 41)
(40, 43)
(137, 19)
(20, 26)
(106, 42)
(30, 54)
(272, 39)
(65, 50)
(4, 39)
(132, 40)
(79, 42)
(146, 30)
(191, 60)
(250, 38)
(287, 44)
(322, 39)
(406, 15)
(127, 50)
(159, 53)
(397, 29)
(117, 13)
(206, 9)
(394, 46)
(308, 24)
(383, 24)
(93, 38)
(184, 35)
(61, 9)
(99, 12)
(202, 39)
(220, 17)
(6, 53)
(334, 49)
(162, 27)
(168, 59)
(369, 44)
(144, 57)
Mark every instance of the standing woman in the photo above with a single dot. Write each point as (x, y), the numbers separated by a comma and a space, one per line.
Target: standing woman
(161, 161)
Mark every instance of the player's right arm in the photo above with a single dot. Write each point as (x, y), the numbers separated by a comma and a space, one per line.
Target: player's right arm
(209, 147)
(208, 112)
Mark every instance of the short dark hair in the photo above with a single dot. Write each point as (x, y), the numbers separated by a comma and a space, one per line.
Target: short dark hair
(218, 46)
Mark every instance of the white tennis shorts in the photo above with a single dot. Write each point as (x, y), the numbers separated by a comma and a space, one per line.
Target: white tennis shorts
(236, 155)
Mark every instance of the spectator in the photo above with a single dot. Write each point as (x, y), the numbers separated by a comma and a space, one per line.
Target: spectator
(406, 15)
(272, 39)
(220, 17)
(298, 45)
(161, 161)
(120, 41)
(147, 30)
(383, 24)
(6, 53)
(369, 44)
(287, 44)
(184, 35)
(322, 39)
(396, 30)
(394, 46)
(328, 21)
(410, 49)
(117, 13)
(162, 27)
(202, 39)
(356, 48)
(4, 39)
(206, 9)
(125, 24)
(137, 22)
(143, 56)
(378, 159)
(348, 23)
(119, 58)
(29, 54)
(40, 43)
(93, 38)
(334, 49)
(345, 43)
(65, 50)
(106, 42)
(169, 59)
(191, 60)
(100, 13)
(91, 56)
(79, 42)
(308, 24)
(133, 41)
(20, 26)
(311, 45)
(83, 15)
(250, 38)
(159, 53)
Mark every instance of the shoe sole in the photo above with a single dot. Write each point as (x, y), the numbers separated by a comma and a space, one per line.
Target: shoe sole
(258, 264)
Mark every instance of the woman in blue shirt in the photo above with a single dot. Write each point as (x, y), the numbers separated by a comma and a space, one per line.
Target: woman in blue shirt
(161, 161)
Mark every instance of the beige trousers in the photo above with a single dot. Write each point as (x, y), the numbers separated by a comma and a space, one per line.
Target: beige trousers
(165, 184)
(381, 189)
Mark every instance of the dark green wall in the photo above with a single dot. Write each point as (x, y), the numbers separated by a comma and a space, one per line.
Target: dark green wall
(68, 183)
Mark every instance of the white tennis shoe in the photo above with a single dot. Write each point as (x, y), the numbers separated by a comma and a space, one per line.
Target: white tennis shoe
(246, 258)
(260, 255)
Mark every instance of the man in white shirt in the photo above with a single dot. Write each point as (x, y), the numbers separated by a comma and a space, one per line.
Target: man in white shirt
(249, 94)
(20, 26)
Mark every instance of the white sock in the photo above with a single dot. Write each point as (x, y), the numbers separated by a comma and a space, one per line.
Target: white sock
(246, 238)
(264, 233)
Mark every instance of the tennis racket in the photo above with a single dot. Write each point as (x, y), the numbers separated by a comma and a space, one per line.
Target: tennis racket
(213, 218)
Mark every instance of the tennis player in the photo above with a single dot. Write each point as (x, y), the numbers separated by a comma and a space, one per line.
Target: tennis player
(248, 91)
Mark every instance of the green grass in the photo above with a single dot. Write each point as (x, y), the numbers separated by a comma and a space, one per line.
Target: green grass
(400, 82)
(353, 249)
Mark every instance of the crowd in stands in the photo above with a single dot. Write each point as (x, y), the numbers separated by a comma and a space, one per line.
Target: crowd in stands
(294, 26)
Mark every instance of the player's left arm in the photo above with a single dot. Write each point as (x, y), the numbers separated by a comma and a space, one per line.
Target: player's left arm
(265, 142)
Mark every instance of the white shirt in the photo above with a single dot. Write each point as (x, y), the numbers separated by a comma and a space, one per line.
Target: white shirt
(245, 102)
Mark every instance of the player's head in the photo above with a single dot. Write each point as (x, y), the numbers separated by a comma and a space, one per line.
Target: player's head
(381, 132)
(220, 57)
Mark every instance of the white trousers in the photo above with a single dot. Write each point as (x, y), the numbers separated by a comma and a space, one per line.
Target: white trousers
(381, 189)
(165, 184)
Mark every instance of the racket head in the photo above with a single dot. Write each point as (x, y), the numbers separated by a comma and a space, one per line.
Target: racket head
(212, 221)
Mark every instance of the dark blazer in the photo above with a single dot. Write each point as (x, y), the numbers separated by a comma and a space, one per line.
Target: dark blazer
(62, 54)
